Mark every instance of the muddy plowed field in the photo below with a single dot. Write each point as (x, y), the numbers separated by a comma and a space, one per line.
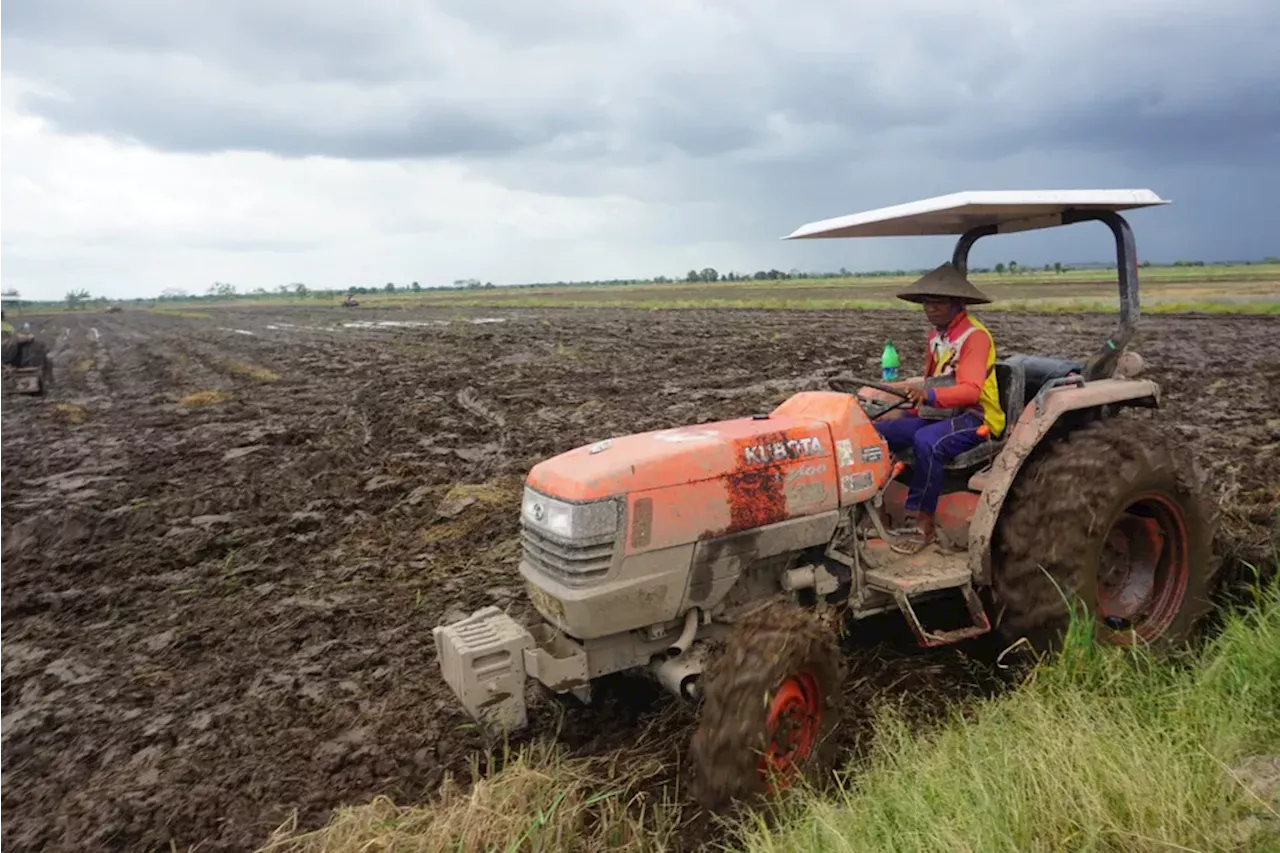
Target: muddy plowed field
(226, 536)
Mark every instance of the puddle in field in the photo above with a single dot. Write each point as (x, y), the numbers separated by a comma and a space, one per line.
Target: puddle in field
(393, 324)
(285, 327)
(362, 324)
(414, 324)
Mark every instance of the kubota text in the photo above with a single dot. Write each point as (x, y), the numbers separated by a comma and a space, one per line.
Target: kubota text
(760, 454)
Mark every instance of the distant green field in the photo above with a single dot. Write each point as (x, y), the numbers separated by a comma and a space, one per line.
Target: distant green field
(1251, 288)
(1240, 288)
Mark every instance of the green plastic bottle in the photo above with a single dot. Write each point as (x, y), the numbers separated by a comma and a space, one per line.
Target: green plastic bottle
(889, 363)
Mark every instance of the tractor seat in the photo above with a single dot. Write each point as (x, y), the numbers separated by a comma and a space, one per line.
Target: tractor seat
(1011, 389)
(1039, 370)
(1011, 382)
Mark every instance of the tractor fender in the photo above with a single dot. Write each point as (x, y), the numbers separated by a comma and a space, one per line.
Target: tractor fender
(1038, 418)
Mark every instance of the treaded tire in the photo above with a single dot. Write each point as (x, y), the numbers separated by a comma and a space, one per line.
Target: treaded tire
(763, 650)
(1058, 515)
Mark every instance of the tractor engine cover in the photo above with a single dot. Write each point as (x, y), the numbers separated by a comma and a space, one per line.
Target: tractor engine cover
(615, 533)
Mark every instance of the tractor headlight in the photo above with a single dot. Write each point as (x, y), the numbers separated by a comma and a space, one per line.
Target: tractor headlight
(578, 524)
(573, 543)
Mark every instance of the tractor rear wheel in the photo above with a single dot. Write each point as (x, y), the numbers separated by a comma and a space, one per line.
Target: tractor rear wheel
(1113, 517)
(770, 707)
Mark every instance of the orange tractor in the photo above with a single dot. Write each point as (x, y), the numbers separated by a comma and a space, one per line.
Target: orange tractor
(722, 558)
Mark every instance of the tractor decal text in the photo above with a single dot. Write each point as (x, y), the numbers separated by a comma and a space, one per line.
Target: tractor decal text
(851, 483)
(780, 451)
(844, 452)
(801, 472)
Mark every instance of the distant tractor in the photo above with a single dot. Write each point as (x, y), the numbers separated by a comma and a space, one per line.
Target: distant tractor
(24, 364)
(721, 557)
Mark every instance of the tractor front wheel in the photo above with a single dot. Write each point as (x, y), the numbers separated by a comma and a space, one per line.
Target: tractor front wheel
(770, 706)
(1113, 517)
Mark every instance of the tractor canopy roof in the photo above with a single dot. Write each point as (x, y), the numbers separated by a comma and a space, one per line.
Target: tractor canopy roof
(1008, 211)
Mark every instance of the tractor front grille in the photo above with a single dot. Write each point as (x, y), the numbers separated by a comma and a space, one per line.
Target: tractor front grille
(576, 564)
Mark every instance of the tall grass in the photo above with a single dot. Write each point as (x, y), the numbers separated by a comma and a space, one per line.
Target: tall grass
(1103, 750)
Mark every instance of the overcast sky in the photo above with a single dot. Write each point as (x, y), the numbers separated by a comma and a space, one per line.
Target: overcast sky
(151, 143)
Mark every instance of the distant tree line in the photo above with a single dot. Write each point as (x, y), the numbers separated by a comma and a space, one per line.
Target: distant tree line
(221, 290)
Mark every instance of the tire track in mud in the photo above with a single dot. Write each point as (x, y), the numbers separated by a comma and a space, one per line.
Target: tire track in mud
(95, 364)
(214, 614)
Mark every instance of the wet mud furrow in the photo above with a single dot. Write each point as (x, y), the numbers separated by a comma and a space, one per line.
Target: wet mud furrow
(226, 538)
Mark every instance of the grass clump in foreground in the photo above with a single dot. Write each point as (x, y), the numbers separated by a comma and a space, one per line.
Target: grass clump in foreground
(240, 368)
(1103, 750)
(204, 398)
(540, 800)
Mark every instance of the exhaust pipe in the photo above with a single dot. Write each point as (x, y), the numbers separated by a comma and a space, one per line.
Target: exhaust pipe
(682, 643)
(680, 674)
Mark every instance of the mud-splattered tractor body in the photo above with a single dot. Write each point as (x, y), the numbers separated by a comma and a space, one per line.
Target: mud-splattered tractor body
(713, 556)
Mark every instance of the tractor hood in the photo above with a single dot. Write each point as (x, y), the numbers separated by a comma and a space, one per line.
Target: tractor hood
(688, 454)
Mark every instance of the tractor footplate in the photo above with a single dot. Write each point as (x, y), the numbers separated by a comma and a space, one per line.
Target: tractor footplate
(919, 573)
(911, 577)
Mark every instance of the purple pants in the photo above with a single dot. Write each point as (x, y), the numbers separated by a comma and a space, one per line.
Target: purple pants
(934, 443)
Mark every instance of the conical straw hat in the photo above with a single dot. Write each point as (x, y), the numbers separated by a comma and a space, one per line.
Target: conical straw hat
(946, 280)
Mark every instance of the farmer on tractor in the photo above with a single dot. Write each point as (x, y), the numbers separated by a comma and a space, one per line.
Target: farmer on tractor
(957, 401)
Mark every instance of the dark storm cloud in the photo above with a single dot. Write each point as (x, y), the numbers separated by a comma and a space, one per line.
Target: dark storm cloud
(285, 39)
(364, 81)
(435, 127)
(1239, 125)
(391, 79)
(751, 117)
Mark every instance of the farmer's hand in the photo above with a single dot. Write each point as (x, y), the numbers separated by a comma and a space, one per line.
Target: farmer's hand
(915, 390)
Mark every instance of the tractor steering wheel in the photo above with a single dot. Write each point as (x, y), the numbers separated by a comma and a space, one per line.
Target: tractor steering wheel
(868, 383)
(852, 383)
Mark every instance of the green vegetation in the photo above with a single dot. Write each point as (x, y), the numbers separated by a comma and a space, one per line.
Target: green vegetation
(765, 303)
(1227, 289)
(1247, 287)
(188, 315)
(1104, 749)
